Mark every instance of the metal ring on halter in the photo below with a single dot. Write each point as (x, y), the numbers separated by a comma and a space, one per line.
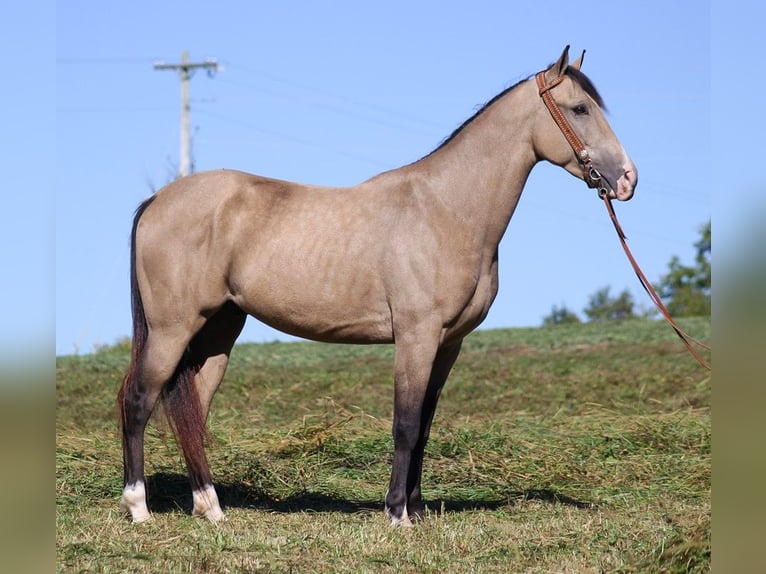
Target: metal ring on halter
(595, 180)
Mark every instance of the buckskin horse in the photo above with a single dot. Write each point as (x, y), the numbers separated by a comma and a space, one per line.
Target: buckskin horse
(408, 257)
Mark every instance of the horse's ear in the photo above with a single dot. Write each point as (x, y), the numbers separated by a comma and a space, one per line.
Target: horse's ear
(559, 67)
(578, 62)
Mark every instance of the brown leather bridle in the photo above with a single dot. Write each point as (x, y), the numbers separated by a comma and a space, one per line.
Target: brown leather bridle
(594, 179)
(591, 175)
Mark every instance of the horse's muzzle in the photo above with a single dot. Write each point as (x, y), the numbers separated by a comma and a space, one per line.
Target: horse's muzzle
(622, 189)
(626, 184)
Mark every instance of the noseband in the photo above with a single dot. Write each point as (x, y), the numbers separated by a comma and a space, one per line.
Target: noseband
(591, 175)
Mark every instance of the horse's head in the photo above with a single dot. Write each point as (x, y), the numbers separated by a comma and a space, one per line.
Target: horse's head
(574, 134)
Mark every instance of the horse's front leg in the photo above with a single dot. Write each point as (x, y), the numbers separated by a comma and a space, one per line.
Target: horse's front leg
(412, 372)
(442, 366)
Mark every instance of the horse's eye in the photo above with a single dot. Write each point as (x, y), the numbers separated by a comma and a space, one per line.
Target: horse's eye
(580, 110)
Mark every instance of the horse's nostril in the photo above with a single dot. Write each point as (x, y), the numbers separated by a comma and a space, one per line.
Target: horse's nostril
(630, 175)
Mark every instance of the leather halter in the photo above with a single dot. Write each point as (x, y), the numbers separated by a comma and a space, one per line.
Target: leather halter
(591, 175)
(593, 178)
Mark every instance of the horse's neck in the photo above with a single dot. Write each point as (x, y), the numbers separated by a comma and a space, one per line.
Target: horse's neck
(480, 173)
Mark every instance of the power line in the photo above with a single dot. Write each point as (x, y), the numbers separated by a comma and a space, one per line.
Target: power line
(297, 140)
(388, 111)
(186, 69)
(104, 60)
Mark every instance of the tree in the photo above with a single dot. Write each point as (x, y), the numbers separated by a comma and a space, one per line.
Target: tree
(561, 316)
(603, 307)
(685, 290)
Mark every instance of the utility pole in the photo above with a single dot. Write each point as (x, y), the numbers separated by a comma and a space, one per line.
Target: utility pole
(185, 70)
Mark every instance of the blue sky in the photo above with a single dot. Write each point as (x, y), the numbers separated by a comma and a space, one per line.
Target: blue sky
(333, 95)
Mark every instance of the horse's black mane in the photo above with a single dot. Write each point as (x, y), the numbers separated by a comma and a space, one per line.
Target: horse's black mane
(587, 86)
(581, 79)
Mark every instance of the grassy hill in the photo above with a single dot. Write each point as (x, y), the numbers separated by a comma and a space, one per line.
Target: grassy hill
(580, 448)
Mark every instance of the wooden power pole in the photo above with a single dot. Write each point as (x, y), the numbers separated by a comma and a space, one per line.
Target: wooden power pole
(185, 69)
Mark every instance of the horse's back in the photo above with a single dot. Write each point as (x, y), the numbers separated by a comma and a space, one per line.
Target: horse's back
(303, 259)
(201, 193)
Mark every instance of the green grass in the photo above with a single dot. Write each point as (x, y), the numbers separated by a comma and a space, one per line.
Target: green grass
(561, 449)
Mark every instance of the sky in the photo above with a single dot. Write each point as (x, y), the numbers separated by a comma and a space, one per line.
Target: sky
(334, 93)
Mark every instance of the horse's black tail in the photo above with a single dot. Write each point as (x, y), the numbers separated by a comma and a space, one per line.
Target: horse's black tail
(140, 328)
(181, 403)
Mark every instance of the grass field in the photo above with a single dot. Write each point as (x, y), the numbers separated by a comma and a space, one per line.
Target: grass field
(561, 449)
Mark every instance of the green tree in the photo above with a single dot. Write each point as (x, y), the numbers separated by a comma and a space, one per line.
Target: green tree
(685, 289)
(560, 316)
(603, 307)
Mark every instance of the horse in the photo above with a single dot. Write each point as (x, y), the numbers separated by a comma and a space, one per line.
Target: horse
(408, 257)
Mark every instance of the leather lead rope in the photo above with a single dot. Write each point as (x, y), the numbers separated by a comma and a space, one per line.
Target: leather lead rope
(688, 340)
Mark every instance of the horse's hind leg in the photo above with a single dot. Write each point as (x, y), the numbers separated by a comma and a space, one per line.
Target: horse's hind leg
(209, 354)
(154, 366)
